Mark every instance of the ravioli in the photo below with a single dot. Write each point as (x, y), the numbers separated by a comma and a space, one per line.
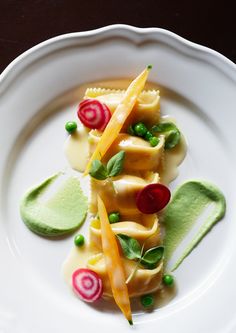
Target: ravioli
(145, 280)
(147, 108)
(119, 193)
(142, 165)
(139, 155)
(146, 229)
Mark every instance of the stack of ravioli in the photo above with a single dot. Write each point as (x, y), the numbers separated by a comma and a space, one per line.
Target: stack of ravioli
(141, 167)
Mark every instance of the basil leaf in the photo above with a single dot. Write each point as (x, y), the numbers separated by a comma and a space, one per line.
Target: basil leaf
(152, 256)
(130, 246)
(171, 132)
(163, 127)
(172, 139)
(98, 170)
(115, 164)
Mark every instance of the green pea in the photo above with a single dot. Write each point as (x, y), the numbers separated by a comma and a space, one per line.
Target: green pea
(79, 240)
(147, 301)
(70, 126)
(114, 217)
(154, 141)
(130, 130)
(148, 136)
(168, 280)
(140, 129)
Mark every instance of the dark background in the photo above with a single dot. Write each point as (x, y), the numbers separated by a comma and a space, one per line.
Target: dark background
(24, 23)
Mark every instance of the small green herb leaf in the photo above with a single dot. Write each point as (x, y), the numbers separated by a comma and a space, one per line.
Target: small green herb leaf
(172, 139)
(152, 256)
(130, 246)
(171, 132)
(163, 127)
(98, 170)
(115, 164)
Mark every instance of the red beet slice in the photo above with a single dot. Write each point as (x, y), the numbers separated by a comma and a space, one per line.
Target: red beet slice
(152, 198)
(87, 284)
(94, 114)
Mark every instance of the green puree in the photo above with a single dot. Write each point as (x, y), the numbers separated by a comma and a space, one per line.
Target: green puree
(61, 214)
(188, 203)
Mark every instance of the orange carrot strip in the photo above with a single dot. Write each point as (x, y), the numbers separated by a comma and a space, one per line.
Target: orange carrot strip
(114, 264)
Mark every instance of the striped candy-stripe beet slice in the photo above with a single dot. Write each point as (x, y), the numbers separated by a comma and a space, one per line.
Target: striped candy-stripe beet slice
(87, 284)
(94, 114)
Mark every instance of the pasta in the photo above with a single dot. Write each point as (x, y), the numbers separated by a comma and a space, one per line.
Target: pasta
(147, 229)
(121, 165)
(146, 109)
(139, 156)
(124, 187)
(145, 281)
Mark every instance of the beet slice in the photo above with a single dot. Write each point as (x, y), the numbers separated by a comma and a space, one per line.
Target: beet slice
(152, 198)
(94, 114)
(87, 284)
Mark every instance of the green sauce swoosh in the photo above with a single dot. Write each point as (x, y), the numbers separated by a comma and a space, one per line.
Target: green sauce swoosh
(188, 202)
(59, 215)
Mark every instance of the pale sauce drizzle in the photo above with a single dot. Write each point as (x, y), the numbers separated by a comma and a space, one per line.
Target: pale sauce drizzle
(172, 158)
(77, 149)
(77, 258)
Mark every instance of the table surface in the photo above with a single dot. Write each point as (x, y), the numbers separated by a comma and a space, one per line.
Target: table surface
(25, 23)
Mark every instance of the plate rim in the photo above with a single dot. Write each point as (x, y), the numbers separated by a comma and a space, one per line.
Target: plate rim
(215, 58)
(97, 35)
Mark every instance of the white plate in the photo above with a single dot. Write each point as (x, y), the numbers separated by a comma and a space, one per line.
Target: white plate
(36, 98)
